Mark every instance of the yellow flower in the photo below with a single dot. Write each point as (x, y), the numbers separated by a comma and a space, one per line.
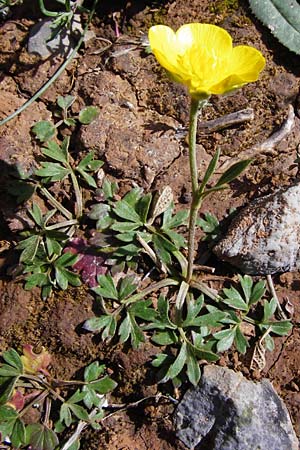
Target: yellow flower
(201, 57)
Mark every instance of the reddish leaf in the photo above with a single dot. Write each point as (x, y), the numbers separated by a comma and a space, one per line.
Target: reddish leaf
(90, 263)
(17, 401)
(34, 363)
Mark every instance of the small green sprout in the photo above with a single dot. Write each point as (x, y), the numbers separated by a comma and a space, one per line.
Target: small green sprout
(46, 130)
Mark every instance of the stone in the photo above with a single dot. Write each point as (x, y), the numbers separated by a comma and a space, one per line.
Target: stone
(228, 412)
(62, 44)
(264, 238)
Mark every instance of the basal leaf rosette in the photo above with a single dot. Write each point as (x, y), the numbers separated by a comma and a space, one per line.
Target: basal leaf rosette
(201, 57)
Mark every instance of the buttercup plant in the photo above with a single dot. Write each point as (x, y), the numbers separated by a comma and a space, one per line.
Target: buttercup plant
(190, 320)
(189, 327)
(201, 57)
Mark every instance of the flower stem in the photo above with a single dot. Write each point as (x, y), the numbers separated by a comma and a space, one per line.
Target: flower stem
(196, 106)
(191, 239)
(194, 110)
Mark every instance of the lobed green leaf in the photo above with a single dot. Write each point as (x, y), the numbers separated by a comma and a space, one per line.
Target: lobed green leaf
(257, 292)
(130, 328)
(167, 337)
(65, 102)
(179, 219)
(127, 287)
(106, 288)
(103, 386)
(93, 371)
(97, 323)
(126, 211)
(143, 206)
(247, 284)
(234, 299)
(12, 357)
(44, 130)
(30, 246)
(240, 341)
(88, 114)
(193, 369)
(177, 366)
(281, 328)
(54, 151)
(40, 437)
(7, 370)
(18, 435)
(53, 171)
(225, 339)
(269, 309)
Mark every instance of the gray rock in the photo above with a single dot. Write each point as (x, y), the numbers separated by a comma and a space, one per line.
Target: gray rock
(62, 44)
(264, 238)
(228, 412)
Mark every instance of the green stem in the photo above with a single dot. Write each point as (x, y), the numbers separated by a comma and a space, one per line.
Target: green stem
(196, 106)
(191, 239)
(64, 224)
(249, 320)
(46, 12)
(182, 261)
(78, 205)
(182, 334)
(46, 420)
(194, 111)
(206, 290)
(181, 296)
(153, 287)
(45, 384)
(266, 333)
(55, 203)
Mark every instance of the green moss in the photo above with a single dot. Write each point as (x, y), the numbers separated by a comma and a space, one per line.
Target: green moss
(224, 6)
(159, 16)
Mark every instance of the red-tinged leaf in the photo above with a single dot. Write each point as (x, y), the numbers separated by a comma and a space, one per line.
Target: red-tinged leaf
(90, 263)
(17, 401)
(34, 363)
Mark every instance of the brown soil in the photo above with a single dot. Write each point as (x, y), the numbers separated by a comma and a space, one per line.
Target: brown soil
(139, 136)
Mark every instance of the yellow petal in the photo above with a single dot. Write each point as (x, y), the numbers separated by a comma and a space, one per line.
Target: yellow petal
(228, 84)
(201, 57)
(215, 40)
(163, 45)
(243, 66)
(247, 62)
(207, 51)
